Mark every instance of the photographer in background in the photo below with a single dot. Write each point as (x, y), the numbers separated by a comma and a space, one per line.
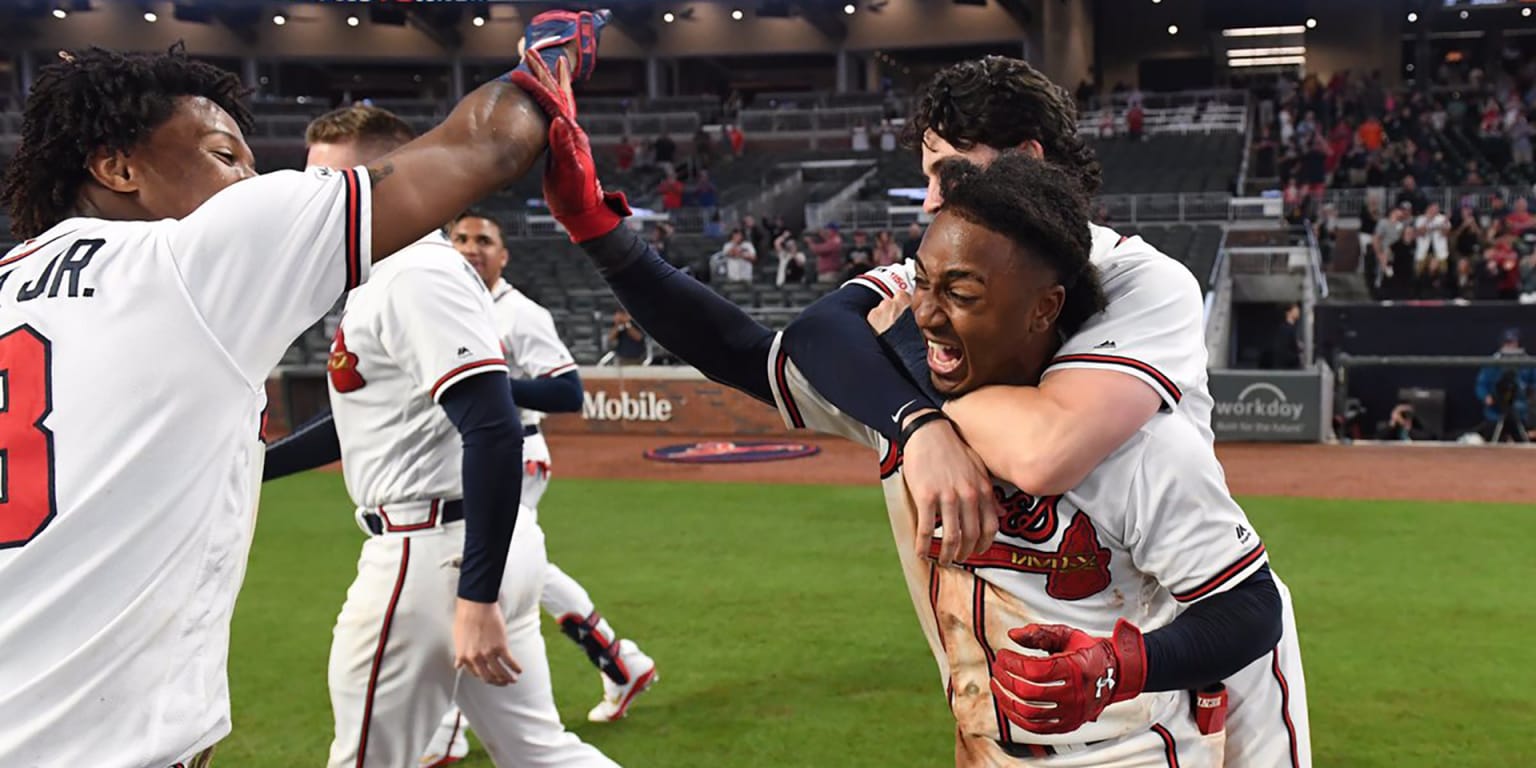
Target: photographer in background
(1403, 426)
(626, 339)
(1505, 392)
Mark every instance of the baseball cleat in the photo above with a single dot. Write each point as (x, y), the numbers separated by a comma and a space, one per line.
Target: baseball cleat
(447, 747)
(617, 697)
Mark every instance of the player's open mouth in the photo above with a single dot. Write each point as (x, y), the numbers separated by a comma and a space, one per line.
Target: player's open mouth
(944, 359)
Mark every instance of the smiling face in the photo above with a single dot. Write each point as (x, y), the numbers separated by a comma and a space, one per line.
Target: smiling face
(478, 240)
(197, 152)
(986, 308)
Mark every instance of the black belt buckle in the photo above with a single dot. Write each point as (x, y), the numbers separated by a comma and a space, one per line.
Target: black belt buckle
(453, 511)
(530, 430)
(1015, 749)
(374, 523)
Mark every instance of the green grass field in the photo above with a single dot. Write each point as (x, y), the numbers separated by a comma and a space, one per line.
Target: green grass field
(784, 636)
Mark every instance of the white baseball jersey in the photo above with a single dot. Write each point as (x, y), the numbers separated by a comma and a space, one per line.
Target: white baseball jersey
(422, 323)
(1153, 327)
(133, 357)
(533, 346)
(1152, 529)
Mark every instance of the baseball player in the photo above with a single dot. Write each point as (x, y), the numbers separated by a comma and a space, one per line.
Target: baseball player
(1151, 531)
(159, 282)
(544, 380)
(416, 357)
(1144, 354)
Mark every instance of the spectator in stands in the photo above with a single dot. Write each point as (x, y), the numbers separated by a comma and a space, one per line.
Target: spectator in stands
(1265, 153)
(1432, 279)
(1327, 233)
(1500, 278)
(1135, 121)
(1474, 177)
(1314, 166)
(886, 250)
(1371, 134)
(703, 149)
(1497, 212)
(626, 339)
(1528, 278)
(1410, 193)
(1519, 221)
(1402, 426)
(792, 268)
(1505, 393)
(914, 239)
(704, 194)
(661, 240)
(665, 152)
(671, 191)
(734, 261)
(887, 136)
(1369, 267)
(860, 257)
(828, 248)
(624, 153)
(1433, 228)
(755, 232)
(1463, 280)
(1519, 136)
(1284, 350)
(859, 140)
(1400, 273)
(737, 140)
(1466, 234)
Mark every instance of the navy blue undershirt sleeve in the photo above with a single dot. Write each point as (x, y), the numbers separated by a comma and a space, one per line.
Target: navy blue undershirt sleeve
(698, 325)
(312, 445)
(481, 408)
(556, 394)
(831, 338)
(1216, 637)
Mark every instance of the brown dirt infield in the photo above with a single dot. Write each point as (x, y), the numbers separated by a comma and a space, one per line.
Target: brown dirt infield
(1416, 471)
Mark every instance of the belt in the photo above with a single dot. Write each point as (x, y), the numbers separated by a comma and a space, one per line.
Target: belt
(530, 430)
(1016, 749)
(442, 512)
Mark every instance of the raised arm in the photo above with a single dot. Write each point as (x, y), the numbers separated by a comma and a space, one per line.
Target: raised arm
(490, 139)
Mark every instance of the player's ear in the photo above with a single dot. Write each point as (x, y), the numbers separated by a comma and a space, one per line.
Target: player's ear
(1033, 149)
(110, 169)
(1048, 309)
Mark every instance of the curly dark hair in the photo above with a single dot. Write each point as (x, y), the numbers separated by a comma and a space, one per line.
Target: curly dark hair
(93, 100)
(1001, 102)
(1042, 209)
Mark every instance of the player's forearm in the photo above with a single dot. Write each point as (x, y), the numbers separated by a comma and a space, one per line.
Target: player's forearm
(490, 139)
(683, 315)
(481, 408)
(311, 446)
(557, 394)
(838, 353)
(1046, 439)
(1216, 637)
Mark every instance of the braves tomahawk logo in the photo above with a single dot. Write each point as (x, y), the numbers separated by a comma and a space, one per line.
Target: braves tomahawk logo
(1079, 567)
(342, 366)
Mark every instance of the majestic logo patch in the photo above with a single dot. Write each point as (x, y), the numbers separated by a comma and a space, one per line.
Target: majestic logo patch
(342, 366)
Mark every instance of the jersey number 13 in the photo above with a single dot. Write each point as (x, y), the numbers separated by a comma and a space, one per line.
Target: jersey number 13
(26, 446)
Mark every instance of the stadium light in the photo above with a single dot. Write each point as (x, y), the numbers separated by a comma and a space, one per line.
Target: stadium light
(849, 9)
(1282, 50)
(669, 17)
(352, 21)
(150, 17)
(737, 14)
(279, 19)
(1526, 12)
(478, 21)
(1267, 61)
(60, 13)
(1412, 17)
(1463, 15)
(1155, 2)
(1311, 23)
(1292, 29)
(1173, 29)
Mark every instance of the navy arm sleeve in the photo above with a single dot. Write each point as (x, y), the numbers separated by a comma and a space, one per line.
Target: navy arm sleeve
(312, 445)
(1216, 637)
(481, 408)
(685, 316)
(557, 394)
(832, 337)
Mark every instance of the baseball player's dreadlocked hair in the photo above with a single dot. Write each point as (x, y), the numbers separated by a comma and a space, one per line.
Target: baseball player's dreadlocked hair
(1001, 103)
(98, 100)
(1041, 208)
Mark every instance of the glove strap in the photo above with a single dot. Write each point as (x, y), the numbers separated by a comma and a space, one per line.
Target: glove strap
(1131, 653)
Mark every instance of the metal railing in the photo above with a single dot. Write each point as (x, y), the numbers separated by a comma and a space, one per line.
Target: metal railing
(1160, 208)
(1218, 310)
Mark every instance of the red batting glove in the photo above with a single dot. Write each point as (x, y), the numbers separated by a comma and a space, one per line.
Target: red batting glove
(1082, 675)
(571, 190)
